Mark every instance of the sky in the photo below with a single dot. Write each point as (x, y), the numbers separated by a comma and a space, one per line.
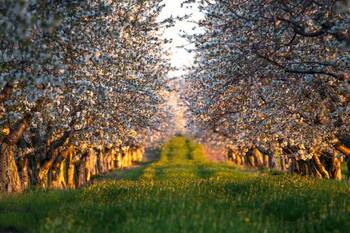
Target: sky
(180, 58)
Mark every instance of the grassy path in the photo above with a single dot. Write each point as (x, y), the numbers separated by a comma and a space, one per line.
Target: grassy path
(182, 192)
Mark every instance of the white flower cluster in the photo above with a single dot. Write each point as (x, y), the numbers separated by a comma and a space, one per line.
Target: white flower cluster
(92, 68)
(272, 74)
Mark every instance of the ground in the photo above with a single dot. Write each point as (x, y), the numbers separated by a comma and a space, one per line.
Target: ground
(183, 191)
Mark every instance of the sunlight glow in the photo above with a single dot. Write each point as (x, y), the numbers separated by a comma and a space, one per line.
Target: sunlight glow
(180, 58)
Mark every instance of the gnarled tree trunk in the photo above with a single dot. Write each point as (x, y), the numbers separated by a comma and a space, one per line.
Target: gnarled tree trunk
(53, 154)
(58, 178)
(319, 166)
(9, 176)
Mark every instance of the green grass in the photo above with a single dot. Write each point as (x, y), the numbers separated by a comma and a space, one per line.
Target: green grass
(183, 192)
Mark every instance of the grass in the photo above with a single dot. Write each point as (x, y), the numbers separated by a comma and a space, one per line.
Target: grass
(183, 192)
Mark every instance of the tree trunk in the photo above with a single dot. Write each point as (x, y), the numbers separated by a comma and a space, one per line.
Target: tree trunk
(58, 177)
(258, 156)
(52, 155)
(320, 168)
(251, 160)
(93, 162)
(337, 169)
(139, 155)
(243, 159)
(230, 154)
(25, 173)
(266, 161)
(304, 168)
(119, 159)
(110, 159)
(272, 161)
(344, 149)
(115, 159)
(283, 163)
(99, 162)
(81, 173)
(9, 178)
(32, 169)
(129, 158)
(89, 165)
(238, 160)
(294, 167)
(59, 169)
(335, 166)
(70, 169)
(43, 173)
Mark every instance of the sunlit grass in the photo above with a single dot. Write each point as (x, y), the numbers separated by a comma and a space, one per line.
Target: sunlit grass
(183, 192)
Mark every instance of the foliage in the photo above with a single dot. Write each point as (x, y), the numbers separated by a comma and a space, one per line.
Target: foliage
(83, 73)
(273, 74)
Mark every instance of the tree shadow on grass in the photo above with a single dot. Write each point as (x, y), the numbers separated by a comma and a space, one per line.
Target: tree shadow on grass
(133, 173)
(204, 171)
(189, 150)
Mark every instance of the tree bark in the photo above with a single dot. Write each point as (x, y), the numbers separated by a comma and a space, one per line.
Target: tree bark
(53, 154)
(119, 159)
(266, 161)
(272, 161)
(335, 166)
(25, 173)
(258, 156)
(110, 155)
(230, 154)
(320, 168)
(9, 176)
(337, 169)
(344, 149)
(283, 163)
(58, 178)
(70, 169)
(304, 168)
(81, 172)
(238, 160)
(251, 160)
